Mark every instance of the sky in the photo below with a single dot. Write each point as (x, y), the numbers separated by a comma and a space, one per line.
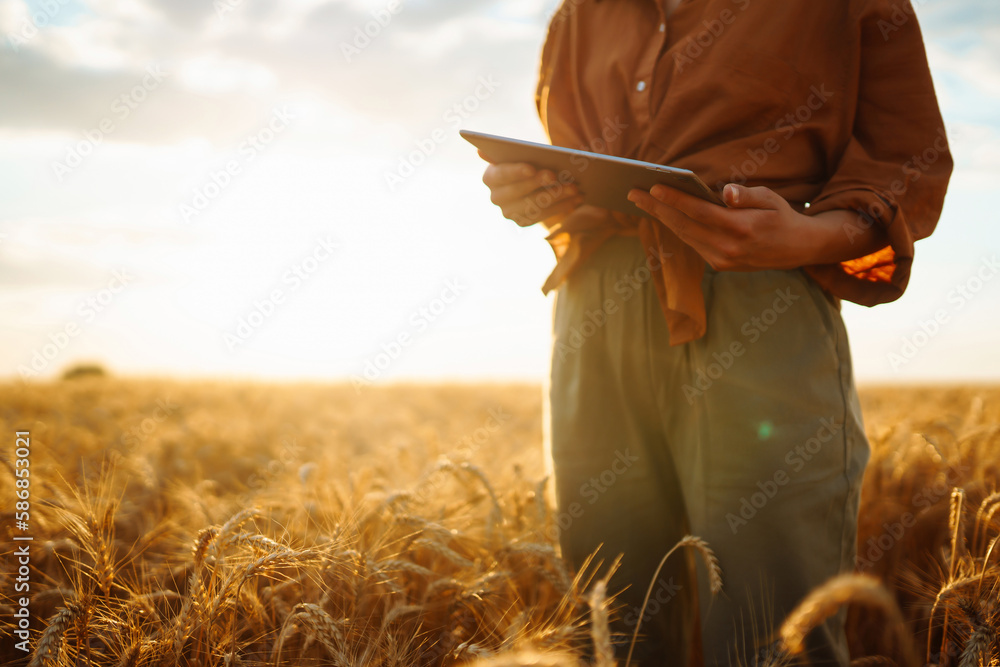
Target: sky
(277, 190)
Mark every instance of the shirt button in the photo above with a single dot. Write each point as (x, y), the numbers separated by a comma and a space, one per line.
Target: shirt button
(641, 86)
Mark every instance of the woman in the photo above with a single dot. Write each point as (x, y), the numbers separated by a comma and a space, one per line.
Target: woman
(701, 375)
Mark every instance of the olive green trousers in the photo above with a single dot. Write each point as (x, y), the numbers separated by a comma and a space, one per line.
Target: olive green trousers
(750, 438)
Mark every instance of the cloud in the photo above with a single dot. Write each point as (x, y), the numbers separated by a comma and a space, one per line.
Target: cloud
(41, 268)
(226, 72)
(223, 71)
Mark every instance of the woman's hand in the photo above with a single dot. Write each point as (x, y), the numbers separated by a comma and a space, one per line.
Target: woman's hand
(759, 229)
(527, 195)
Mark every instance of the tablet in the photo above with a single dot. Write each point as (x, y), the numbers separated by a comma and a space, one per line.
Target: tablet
(603, 180)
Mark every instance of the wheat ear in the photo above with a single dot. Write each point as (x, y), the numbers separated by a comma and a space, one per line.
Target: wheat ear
(600, 630)
(981, 638)
(824, 601)
(319, 625)
(984, 515)
(873, 661)
(956, 526)
(52, 639)
(986, 562)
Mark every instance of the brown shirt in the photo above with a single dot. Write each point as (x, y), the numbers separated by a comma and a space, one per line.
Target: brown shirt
(827, 102)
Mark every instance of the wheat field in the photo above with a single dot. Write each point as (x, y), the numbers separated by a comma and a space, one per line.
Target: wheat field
(249, 524)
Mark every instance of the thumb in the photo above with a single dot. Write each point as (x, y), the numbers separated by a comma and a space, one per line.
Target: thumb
(740, 196)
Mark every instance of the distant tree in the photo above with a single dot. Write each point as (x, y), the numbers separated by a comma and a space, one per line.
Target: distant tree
(84, 371)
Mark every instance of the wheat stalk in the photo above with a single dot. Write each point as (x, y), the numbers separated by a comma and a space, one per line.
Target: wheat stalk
(265, 563)
(956, 527)
(986, 563)
(711, 564)
(947, 591)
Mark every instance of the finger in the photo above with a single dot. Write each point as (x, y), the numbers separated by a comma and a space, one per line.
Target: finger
(504, 173)
(693, 207)
(740, 196)
(690, 230)
(538, 207)
(696, 235)
(504, 195)
(532, 214)
(668, 215)
(535, 206)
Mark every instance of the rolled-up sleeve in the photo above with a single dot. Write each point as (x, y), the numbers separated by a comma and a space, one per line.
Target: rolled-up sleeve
(895, 169)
